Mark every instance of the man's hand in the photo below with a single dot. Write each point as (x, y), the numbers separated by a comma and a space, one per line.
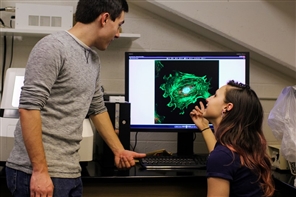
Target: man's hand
(125, 159)
(41, 185)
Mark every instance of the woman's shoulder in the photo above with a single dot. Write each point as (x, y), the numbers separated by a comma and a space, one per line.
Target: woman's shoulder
(222, 163)
(223, 154)
(221, 148)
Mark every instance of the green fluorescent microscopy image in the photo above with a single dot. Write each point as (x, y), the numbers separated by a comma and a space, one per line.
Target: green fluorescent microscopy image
(180, 86)
(184, 89)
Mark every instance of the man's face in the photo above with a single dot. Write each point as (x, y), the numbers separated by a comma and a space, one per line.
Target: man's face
(109, 32)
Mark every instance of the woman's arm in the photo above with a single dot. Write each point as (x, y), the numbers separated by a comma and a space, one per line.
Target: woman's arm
(203, 124)
(210, 139)
(218, 187)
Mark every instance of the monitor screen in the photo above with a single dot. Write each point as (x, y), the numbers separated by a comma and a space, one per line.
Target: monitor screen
(14, 80)
(163, 87)
(19, 82)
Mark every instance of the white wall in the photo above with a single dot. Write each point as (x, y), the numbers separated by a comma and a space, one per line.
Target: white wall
(159, 34)
(265, 27)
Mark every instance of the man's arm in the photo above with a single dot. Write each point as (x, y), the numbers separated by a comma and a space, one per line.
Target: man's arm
(123, 158)
(32, 134)
(105, 128)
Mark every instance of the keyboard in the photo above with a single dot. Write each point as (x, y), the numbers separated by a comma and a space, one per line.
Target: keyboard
(173, 162)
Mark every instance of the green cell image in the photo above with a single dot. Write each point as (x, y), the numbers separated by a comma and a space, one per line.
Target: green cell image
(184, 89)
(158, 118)
(158, 67)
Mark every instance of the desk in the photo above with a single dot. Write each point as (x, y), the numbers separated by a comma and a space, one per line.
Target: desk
(284, 182)
(94, 170)
(110, 182)
(144, 183)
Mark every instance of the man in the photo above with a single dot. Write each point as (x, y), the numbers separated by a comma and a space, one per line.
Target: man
(61, 87)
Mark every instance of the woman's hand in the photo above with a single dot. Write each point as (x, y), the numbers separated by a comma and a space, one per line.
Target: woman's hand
(197, 117)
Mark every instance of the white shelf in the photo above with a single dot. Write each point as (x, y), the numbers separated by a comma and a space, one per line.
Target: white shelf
(41, 33)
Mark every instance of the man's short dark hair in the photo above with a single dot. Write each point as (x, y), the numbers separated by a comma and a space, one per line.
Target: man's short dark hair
(88, 10)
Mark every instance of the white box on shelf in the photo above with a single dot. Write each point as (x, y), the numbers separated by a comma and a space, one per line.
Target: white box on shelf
(117, 99)
(43, 17)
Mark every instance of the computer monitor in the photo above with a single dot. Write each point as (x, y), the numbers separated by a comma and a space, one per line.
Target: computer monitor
(163, 87)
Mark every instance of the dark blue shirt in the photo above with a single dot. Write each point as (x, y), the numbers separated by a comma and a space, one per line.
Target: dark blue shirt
(243, 182)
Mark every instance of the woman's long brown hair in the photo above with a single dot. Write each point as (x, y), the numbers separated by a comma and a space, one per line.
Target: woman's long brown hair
(241, 131)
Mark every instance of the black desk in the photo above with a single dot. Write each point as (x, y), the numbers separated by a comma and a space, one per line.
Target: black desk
(145, 183)
(110, 182)
(192, 181)
(94, 170)
(284, 182)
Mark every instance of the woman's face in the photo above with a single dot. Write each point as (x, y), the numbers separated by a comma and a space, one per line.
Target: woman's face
(216, 105)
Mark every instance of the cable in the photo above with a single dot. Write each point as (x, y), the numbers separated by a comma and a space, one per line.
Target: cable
(11, 51)
(11, 19)
(4, 63)
(136, 140)
(4, 58)
(194, 136)
(2, 22)
(12, 43)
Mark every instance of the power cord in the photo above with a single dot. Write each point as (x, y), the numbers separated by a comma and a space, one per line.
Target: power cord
(136, 140)
(11, 51)
(2, 23)
(5, 48)
(4, 57)
(11, 19)
(194, 136)
(12, 43)
(7, 9)
(4, 63)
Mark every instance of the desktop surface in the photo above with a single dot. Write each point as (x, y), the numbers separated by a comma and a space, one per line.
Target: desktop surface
(194, 180)
(94, 170)
(284, 180)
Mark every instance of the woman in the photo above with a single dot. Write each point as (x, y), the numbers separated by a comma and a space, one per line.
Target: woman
(238, 164)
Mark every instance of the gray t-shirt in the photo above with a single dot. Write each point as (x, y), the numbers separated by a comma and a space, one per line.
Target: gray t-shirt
(62, 81)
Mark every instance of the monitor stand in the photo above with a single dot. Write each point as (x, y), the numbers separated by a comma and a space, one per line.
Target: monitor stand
(185, 144)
